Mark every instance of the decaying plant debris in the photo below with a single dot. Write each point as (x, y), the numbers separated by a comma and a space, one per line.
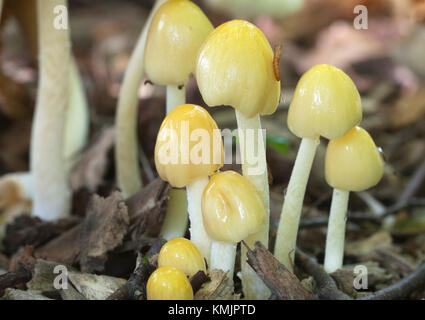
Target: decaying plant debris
(109, 244)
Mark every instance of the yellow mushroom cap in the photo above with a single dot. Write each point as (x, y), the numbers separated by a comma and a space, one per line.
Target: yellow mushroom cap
(188, 146)
(231, 207)
(325, 103)
(235, 67)
(177, 31)
(183, 255)
(353, 162)
(168, 283)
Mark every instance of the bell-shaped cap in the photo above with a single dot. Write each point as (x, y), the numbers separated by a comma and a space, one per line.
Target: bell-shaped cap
(178, 29)
(325, 103)
(168, 283)
(353, 162)
(182, 254)
(235, 67)
(188, 146)
(231, 207)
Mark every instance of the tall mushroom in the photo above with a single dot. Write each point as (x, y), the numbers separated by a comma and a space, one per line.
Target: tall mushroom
(126, 147)
(353, 163)
(175, 34)
(326, 103)
(76, 123)
(232, 210)
(235, 67)
(189, 149)
(52, 194)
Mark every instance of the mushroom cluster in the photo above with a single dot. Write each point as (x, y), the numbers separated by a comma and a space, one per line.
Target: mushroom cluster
(234, 65)
(326, 103)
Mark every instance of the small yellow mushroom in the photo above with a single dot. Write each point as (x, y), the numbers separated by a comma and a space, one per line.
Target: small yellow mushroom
(168, 283)
(353, 163)
(183, 255)
(188, 149)
(175, 35)
(232, 210)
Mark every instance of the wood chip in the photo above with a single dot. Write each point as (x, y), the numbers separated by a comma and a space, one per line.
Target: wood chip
(283, 284)
(63, 249)
(103, 230)
(218, 288)
(15, 294)
(94, 287)
(147, 208)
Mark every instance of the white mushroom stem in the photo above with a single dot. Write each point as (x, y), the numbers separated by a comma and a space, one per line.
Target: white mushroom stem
(293, 203)
(126, 149)
(223, 256)
(198, 234)
(175, 222)
(77, 120)
(334, 252)
(52, 194)
(254, 168)
(176, 96)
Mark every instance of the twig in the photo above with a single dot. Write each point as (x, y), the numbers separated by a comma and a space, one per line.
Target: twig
(11, 279)
(327, 288)
(401, 289)
(352, 217)
(413, 185)
(361, 217)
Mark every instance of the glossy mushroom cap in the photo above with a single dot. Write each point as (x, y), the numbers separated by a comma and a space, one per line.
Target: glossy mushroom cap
(231, 207)
(177, 31)
(168, 283)
(353, 162)
(235, 67)
(188, 146)
(326, 103)
(183, 255)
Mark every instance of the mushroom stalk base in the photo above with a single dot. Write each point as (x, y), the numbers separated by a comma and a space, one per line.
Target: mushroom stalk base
(287, 231)
(254, 168)
(334, 252)
(126, 147)
(198, 234)
(223, 257)
(175, 97)
(175, 222)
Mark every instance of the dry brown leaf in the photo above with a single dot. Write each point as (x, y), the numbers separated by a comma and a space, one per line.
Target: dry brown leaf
(409, 109)
(379, 240)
